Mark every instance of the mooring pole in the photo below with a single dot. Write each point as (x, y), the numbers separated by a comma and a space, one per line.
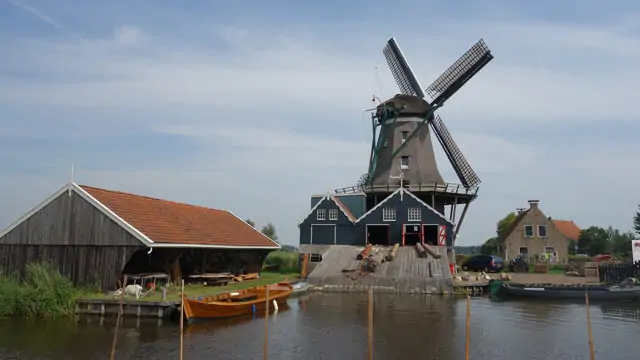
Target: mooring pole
(592, 354)
(370, 327)
(115, 334)
(181, 318)
(265, 349)
(466, 343)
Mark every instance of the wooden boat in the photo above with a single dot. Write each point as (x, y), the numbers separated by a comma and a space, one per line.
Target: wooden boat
(596, 292)
(236, 303)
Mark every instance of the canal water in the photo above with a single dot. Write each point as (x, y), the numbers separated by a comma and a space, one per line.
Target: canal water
(334, 326)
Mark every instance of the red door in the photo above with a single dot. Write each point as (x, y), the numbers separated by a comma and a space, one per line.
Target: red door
(404, 230)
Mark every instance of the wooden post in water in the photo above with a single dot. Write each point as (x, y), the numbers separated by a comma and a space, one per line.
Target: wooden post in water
(181, 318)
(265, 350)
(592, 354)
(468, 335)
(115, 334)
(370, 327)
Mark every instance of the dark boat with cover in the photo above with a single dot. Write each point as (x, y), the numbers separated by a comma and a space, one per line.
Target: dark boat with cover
(576, 292)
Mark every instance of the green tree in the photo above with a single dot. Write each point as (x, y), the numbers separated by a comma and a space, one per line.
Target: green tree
(503, 225)
(490, 247)
(594, 240)
(269, 231)
(636, 221)
(250, 222)
(620, 243)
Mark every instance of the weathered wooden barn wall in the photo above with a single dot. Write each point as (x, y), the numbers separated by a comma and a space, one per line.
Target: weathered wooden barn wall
(74, 236)
(84, 265)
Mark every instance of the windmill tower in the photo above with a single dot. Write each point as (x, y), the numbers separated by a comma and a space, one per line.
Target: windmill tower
(401, 139)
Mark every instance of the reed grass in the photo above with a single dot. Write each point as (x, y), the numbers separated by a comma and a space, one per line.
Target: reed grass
(43, 292)
(282, 261)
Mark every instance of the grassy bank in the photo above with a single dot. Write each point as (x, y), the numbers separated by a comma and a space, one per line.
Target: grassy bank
(42, 293)
(173, 293)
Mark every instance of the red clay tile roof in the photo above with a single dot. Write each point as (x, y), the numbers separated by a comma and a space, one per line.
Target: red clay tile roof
(343, 207)
(568, 228)
(165, 221)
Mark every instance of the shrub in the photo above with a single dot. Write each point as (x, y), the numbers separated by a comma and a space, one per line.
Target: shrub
(43, 292)
(282, 261)
(461, 258)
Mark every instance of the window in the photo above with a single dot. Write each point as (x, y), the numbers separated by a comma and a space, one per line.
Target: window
(404, 162)
(405, 136)
(542, 230)
(315, 257)
(549, 250)
(414, 214)
(321, 214)
(333, 214)
(528, 231)
(388, 214)
(524, 251)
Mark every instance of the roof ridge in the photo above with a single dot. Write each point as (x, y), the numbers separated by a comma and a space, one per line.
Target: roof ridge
(149, 197)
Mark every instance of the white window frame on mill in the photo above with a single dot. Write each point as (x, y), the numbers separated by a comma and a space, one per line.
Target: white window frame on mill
(404, 162)
(546, 232)
(414, 214)
(405, 136)
(321, 214)
(333, 214)
(388, 214)
(525, 231)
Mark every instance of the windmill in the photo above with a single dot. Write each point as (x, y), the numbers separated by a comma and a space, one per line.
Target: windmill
(401, 139)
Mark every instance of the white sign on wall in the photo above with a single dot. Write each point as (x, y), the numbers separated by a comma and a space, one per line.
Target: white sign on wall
(635, 250)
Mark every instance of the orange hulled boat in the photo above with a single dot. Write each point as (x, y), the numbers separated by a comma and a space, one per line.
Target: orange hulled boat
(236, 303)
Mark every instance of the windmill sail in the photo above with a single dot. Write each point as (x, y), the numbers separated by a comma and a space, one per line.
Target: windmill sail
(459, 72)
(401, 70)
(460, 165)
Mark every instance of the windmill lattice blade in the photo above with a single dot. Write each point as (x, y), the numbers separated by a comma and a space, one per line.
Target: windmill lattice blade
(460, 165)
(459, 72)
(401, 71)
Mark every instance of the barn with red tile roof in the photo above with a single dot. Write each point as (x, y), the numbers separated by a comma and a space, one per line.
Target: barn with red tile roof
(94, 235)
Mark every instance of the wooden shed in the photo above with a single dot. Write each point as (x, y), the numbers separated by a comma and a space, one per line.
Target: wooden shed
(94, 235)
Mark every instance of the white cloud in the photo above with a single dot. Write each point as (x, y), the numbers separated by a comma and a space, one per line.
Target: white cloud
(278, 113)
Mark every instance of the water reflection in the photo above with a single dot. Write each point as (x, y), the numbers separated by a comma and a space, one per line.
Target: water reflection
(334, 326)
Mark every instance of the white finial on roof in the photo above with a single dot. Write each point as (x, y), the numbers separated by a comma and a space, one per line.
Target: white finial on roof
(70, 181)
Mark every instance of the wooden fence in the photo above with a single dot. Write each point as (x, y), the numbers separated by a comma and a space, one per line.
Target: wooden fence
(612, 273)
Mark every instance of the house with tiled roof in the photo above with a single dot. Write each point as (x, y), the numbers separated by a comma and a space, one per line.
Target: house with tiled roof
(532, 232)
(94, 235)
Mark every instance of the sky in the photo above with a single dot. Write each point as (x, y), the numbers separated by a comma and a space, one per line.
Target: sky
(253, 107)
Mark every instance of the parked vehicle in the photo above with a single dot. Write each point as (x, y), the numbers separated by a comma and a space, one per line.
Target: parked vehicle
(486, 263)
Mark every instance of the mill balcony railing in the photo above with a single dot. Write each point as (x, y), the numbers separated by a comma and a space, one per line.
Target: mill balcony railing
(448, 188)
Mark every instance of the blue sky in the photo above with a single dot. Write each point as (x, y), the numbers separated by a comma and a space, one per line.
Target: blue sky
(255, 107)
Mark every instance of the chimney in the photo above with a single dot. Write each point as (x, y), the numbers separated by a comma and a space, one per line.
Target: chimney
(533, 204)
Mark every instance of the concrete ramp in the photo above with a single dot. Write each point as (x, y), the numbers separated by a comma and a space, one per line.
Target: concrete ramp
(407, 273)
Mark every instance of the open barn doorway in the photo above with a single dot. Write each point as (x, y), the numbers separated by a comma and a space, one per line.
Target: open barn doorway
(379, 234)
(430, 234)
(412, 234)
